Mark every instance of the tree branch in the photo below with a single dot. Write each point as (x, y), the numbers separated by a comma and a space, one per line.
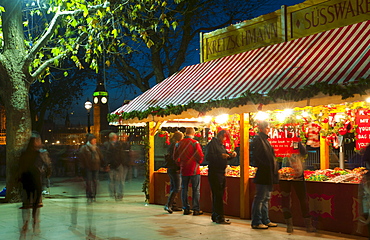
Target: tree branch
(46, 64)
(49, 32)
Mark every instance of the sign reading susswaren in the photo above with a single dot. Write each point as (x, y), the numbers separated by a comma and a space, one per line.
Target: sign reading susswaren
(328, 15)
(307, 18)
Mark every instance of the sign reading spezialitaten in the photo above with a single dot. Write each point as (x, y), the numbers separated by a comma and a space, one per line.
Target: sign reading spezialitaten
(328, 15)
(240, 38)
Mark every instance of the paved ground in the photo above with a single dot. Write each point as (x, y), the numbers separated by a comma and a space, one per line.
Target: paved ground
(66, 215)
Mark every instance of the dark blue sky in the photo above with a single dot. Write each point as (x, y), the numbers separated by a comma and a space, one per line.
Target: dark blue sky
(117, 96)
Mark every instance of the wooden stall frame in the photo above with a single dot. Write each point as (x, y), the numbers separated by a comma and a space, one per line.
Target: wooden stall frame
(244, 166)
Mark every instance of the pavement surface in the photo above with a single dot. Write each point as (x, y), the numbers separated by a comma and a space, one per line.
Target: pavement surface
(66, 215)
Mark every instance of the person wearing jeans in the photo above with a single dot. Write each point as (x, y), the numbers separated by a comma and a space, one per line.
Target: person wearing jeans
(189, 155)
(266, 176)
(173, 172)
(195, 182)
(260, 206)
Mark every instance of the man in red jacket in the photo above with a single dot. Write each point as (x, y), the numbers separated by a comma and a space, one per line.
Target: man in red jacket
(189, 155)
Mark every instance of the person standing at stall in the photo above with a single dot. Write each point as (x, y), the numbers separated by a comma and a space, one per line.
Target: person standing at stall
(173, 171)
(91, 161)
(295, 180)
(217, 157)
(266, 176)
(189, 155)
(34, 163)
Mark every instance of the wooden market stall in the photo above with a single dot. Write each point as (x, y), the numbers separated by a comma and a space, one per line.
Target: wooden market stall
(278, 61)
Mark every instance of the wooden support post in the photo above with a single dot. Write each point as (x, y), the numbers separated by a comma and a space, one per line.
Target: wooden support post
(324, 151)
(244, 166)
(152, 131)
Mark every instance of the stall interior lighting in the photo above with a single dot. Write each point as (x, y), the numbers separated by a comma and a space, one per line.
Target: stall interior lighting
(368, 100)
(220, 119)
(207, 119)
(261, 116)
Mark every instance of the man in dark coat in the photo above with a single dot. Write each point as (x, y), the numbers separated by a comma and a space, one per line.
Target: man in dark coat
(217, 156)
(266, 176)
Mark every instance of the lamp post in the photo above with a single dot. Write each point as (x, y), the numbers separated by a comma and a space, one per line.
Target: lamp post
(88, 106)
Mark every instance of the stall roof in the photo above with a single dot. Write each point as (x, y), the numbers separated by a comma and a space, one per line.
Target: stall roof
(336, 56)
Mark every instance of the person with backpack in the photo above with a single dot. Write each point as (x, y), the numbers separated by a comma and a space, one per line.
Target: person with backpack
(189, 155)
(217, 158)
(173, 171)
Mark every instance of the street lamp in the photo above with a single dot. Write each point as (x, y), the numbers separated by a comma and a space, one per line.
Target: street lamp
(88, 106)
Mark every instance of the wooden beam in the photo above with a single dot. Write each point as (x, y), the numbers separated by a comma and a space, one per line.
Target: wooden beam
(244, 166)
(324, 150)
(152, 131)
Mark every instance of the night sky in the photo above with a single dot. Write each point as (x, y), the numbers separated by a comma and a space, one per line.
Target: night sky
(117, 96)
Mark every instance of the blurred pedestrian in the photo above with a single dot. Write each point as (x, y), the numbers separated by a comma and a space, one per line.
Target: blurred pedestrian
(91, 160)
(34, 163)
(125, 162)
(111, 156)
(217, 157)
(173, 171)
(189, 155)
(266, 176)
(295, 180)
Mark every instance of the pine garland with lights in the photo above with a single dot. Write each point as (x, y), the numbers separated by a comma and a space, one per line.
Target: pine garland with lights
(290, 94)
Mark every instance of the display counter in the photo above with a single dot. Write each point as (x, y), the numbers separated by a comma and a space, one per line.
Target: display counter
(333, 206)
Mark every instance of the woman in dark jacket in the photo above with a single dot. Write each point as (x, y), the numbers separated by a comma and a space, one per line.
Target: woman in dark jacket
(173, 171)
(34, 164)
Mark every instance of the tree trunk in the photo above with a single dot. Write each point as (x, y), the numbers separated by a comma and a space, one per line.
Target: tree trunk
(15, 83)
(18, 131)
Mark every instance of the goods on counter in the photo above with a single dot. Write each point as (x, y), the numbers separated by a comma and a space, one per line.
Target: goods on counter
(286, 173)
(203, 170)
(162, 170)
(335, 175)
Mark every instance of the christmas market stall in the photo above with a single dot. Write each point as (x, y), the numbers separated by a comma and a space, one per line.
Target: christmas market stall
(309, 81)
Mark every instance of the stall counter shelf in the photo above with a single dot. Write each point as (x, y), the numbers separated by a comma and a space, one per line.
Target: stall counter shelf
(333, 206)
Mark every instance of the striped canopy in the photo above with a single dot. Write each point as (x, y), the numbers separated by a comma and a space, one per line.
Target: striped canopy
(336, 56)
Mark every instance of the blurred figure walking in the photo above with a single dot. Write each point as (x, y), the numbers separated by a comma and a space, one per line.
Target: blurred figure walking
(91, 160)
(34, 163)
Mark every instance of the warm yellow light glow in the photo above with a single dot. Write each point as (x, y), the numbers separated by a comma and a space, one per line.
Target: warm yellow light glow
(58, 142)
(220, 119)
(368, 100)
(261, 116)
(305, 114)
(207, 119)
(280, 116)
(288, 112)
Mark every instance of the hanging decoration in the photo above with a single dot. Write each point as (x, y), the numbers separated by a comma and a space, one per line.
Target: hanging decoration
(290, 94)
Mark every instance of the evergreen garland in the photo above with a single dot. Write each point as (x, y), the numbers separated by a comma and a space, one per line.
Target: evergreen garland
(346, 91)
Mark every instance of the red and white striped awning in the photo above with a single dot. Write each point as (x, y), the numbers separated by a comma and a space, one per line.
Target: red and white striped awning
(337, 56)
